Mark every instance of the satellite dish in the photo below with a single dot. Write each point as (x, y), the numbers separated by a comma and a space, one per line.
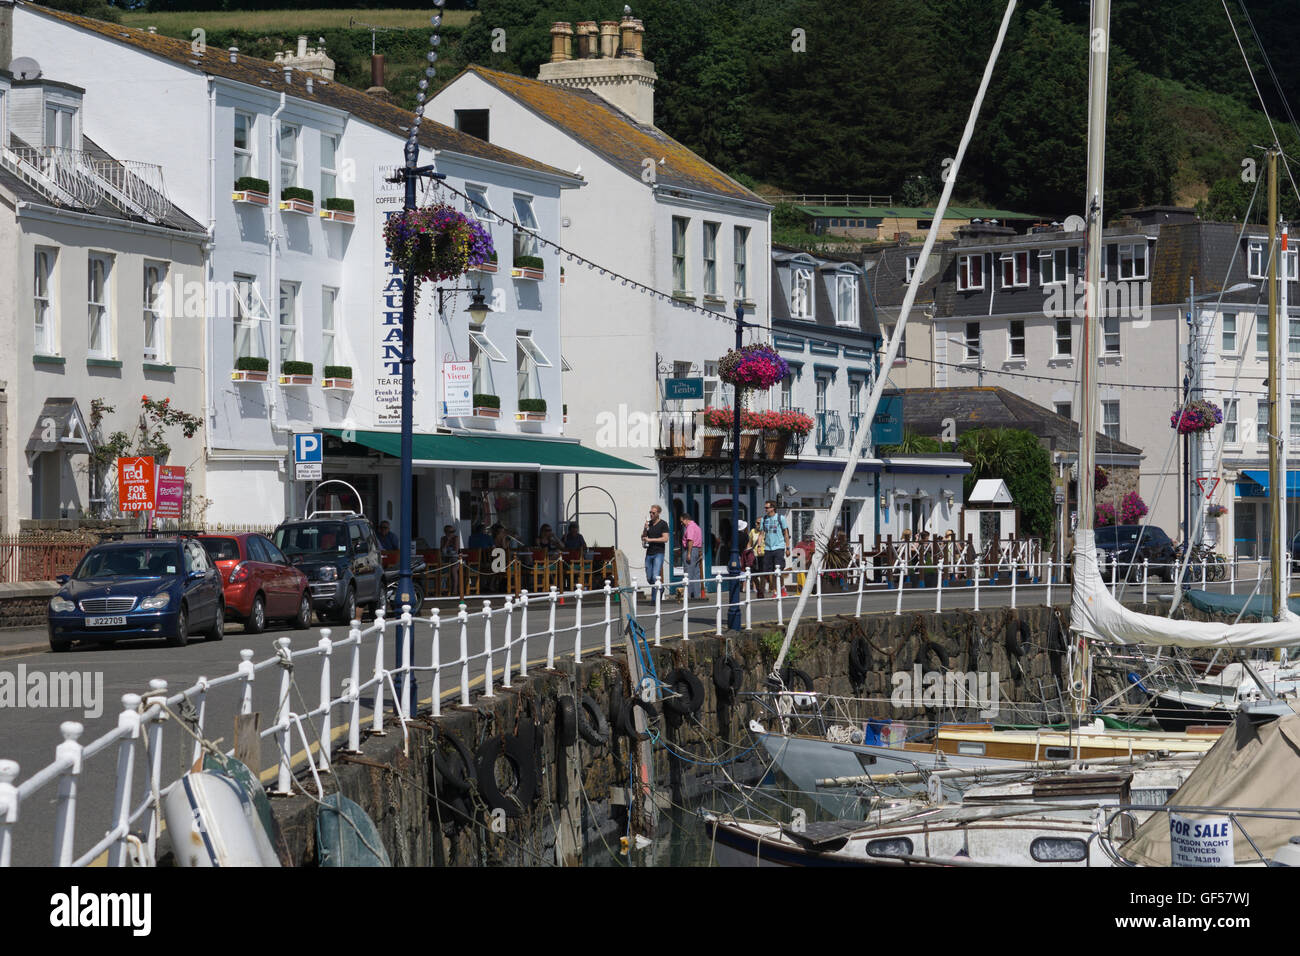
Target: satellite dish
(25, 68)
(1075, 224)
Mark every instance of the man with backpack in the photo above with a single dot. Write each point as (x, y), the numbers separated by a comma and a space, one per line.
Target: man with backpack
(776, 542)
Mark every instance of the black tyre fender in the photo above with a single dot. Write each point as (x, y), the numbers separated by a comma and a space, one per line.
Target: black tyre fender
(937, 649)
(790, 676)
(566, 721)
(519, 754)
(593, 726)
(860, 656)
(456, 782)
(1012, 638)
(689, 690)
(727, 676)
(626, 721)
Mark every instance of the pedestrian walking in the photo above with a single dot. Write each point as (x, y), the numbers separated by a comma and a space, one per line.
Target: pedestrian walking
(776, 543)
(693, 556)
(654, 538)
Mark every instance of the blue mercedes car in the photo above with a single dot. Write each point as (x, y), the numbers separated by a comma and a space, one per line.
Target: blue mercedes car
(157, 587)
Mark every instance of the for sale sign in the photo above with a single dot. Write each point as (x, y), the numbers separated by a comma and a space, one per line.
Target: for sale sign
(135, 487)
(171, 491)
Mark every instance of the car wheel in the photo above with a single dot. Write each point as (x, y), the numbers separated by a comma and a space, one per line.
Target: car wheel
(182, 635)
(256, 622)
(348, 613)
(303, 620)
(218, 629)
(59, 646)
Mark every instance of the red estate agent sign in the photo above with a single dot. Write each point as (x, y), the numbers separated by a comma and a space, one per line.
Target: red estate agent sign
(171, 491)
(135, 488)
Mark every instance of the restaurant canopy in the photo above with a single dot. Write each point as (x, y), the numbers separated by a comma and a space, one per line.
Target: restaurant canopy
(497, 453)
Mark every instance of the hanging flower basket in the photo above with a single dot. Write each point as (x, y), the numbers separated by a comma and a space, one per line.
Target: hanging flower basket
(753, 367)
(1216, 511)
(436, 242)
(787, 422)
(1200, 415)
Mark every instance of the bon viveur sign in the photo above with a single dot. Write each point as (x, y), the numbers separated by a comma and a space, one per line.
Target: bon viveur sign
(457, 388)
(887, 426)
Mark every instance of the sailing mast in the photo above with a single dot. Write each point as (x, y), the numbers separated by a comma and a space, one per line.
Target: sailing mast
(1276, 419)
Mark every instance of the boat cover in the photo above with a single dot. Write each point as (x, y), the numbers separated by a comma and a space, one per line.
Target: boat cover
(346, 836)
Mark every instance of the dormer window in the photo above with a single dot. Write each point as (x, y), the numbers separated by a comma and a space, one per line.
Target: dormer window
(1255, 260)
(59, 124)
(911, 261)
(1133, 261)
(801, 294)
(970, 273)
(846, 300)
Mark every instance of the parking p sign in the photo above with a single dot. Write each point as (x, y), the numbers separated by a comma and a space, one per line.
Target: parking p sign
(308, 456)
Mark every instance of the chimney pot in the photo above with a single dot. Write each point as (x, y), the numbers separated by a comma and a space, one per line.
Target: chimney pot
(302, 45)
(638, 40)
(153, 29)
(234, 54)
(588, 38)
(561, 42)
(627, 31)
(309, 83)
(288, 74)
(609, 38)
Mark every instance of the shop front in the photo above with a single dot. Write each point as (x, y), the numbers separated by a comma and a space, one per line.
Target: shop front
(1251, 532)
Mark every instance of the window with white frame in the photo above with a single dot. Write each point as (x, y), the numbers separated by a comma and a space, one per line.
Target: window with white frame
(972, 342)
(1229, 330)
(801, 294)
(59, 125)
(742, 262)
(525, 238)
(1255, 259)
(155, 322)
(710, 258)
(1110, 419)
(1016, 345)
(245, 145)
(288, 321)
(679, 253)
(787, 393)
(476, 202)
(482, 353)
(1293, 337)
(846, 300)
(528, 359)
(1053, 266)
(911, 262)
(1261, 332)
(970, 273)
(329, 299)
(1294, 427)
(43, 296)
(1230, 421)
(98, 302)
(715, 392)
(1133, 260)
(288, 155)
(252, 319)
(823, 384)
(1064, 338)
(887, 332)
(1015, 270)
(1292, 259)
(329, 161)
(1110, 335)
(1262, 427)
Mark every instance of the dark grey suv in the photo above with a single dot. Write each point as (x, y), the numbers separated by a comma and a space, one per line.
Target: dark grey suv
(1129, 545)
(341, 558)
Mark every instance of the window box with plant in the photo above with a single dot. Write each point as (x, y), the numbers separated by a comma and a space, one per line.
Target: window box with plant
(777, 427)
(529, 267)
(561, 275)
(487, 268)
(249, 368)
(337, 209)
(252, 190)
(487, 406)
(337, 376)
(297, 200)
(531, 410)
(296, 373)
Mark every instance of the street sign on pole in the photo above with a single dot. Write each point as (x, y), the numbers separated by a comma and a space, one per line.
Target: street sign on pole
(308, 456)
(135, 487)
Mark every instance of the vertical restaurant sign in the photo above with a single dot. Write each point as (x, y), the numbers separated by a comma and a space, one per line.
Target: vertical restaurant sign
(171, 491)
(386, 334)
(135, 489)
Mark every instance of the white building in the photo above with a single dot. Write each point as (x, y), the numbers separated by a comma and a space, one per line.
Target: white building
(96, 262)
(653, 213)
(296, 281)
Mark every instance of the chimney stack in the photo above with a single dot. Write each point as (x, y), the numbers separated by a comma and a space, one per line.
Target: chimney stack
(234, 54)
(376, 88)
(561, 42)
(587, 39)
(608, 39)
(307, 59)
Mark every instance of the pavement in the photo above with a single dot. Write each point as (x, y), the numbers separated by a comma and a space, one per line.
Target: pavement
(15, 641)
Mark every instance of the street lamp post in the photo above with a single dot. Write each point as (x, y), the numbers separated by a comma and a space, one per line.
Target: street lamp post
(733, 565)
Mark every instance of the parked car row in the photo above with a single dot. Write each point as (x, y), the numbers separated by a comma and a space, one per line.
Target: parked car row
(173, 585)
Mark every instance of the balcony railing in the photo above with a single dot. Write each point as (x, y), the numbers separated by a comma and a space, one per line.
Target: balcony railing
(77, 177)
(830, 433)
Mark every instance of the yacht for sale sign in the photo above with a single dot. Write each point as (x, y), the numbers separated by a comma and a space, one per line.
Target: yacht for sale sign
(135, 487)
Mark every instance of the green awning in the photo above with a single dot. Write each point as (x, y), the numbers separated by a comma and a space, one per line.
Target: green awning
(497, 453)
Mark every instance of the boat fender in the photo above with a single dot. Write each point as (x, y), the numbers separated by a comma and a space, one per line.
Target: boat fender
(689, 691)
(937, 649)
(456, 781)
(790, 676)
(566, 721)
(626, 722)
(859, 660)
(519, 754)
(727, 676)
(1012, 640)
(593, 727)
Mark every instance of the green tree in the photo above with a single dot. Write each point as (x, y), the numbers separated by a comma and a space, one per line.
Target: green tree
(1015, 456)
(912, 444)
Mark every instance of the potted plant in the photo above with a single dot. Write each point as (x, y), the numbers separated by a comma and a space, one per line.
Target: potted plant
(487, 406)
(296, 373)
(717, 423)
(531, 410)
(436, 242)
(778, 426)
(249, 368)
(529, 267)
(487, 267)
(1199, 415)
(338, 209)
(297, 200)
(337, 376)
(564, 410)
(755, 366)
(561, 275)
(250, 189)
(1216, 511)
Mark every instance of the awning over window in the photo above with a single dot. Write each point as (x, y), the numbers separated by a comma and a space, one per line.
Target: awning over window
(498, 453)
(1257, 485)
(60, 427)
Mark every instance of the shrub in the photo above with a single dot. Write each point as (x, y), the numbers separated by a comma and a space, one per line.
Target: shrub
(532, 404)
(338, 371)
(297, 192)
(295, 368)
(338, 204)
(529, 262)
(251, 363)
(487, 401)
(252, 184)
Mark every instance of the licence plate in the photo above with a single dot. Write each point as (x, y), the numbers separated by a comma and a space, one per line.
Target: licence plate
(117, 621)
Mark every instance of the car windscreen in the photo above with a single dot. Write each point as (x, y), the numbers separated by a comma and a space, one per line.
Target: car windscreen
(331, 538)
(150, 561)
(221, 549)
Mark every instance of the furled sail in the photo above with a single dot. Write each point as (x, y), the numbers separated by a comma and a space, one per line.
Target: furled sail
(1094, 613)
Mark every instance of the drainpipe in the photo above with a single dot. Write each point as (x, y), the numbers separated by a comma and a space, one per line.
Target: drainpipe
(209, 336)
(273, 251)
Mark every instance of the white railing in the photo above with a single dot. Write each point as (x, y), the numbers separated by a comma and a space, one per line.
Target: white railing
(79, 178)
(507, 633)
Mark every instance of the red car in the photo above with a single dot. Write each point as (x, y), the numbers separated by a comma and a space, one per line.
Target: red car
(259, 581)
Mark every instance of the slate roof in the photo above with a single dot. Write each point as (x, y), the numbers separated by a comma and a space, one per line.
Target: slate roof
(823, 308)
(1203, 251)
(270, 76)
(888, 275)
(609, 132)
(924, 410)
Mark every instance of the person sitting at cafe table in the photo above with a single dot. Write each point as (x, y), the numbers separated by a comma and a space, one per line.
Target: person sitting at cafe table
(546, 539)
(573, 541)
(480, 540)
(387, 540)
